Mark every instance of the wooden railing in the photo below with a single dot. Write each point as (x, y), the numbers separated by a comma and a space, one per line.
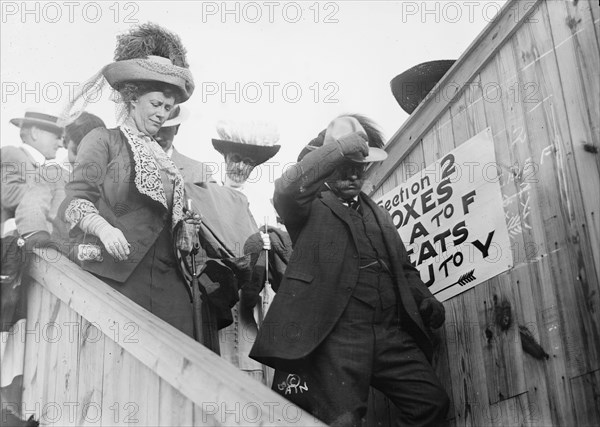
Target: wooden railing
(93, 357)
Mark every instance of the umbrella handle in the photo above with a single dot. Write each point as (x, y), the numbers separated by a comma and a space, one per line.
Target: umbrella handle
(266, 258)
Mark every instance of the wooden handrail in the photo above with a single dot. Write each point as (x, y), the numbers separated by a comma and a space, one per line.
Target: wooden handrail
(196, 372)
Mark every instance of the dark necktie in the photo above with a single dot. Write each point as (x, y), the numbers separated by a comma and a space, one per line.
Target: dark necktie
(353, 204)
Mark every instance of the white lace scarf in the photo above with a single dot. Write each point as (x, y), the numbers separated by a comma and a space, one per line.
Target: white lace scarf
(149, 159)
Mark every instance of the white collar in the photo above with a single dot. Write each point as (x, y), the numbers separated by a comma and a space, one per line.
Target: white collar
(170, 152)
(347, 202)
(38, 157)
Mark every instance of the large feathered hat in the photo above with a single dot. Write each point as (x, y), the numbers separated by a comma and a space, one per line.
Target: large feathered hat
(147, 53)
(255, 140)
(150, 53)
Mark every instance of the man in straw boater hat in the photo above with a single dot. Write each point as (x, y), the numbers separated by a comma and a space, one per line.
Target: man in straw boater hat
(25, 166)
(191, 170)
(351, 310)
(32, 189)
(125, 223)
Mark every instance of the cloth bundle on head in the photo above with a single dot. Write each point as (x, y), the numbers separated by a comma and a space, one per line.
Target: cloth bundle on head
(147, 53)
(347, 124)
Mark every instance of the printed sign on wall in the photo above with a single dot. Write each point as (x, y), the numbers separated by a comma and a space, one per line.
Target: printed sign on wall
(451, 220)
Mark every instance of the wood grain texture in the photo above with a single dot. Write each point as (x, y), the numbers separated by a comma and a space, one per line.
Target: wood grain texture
(516, 411)
(560, 197)
(90, 374)
(31, 382)
(539, 92)
(174, 408)
(463, 338)
(476, 56)
(586, 398)
(65, 392)
(158, 351)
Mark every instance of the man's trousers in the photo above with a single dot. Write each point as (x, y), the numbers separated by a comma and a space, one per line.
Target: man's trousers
(368, 347)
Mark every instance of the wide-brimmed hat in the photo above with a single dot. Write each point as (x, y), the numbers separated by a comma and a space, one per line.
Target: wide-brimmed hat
(40, 119)
(254, 140)
(150, 53)
(338, 128)
(178, 115)
(258, 153)
(412, 86)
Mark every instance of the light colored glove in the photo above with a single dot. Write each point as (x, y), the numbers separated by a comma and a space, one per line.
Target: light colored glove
(112, 238)
(266, 241)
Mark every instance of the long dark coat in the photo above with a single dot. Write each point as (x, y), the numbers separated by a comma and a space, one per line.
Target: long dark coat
(323, 269)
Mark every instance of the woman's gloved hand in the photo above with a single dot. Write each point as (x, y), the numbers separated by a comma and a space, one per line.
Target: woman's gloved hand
(112, 238)
(115, 242)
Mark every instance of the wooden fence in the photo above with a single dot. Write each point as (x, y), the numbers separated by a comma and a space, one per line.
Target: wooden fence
(93, 357)
(532, 76)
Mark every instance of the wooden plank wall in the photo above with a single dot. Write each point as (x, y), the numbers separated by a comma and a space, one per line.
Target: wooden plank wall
(93, 357)
(539, 91)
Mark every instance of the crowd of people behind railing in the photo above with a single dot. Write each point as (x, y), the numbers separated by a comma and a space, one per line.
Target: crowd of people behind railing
(350, 309)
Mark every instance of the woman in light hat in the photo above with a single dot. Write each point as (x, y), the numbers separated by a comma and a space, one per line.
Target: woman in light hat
(125, 204)
(244, 147)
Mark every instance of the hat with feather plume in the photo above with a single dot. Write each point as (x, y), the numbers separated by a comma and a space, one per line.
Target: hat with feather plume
(253, 140)
(149, 52)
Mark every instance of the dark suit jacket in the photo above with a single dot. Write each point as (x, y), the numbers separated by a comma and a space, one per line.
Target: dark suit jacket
(105, 175)
(323, 270)
(192, 170)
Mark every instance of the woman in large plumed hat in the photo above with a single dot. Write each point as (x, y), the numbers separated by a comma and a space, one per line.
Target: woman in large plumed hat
(125, 204)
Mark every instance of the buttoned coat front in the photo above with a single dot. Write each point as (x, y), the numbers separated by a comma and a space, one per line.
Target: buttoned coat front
(105, 176)
(324, 267)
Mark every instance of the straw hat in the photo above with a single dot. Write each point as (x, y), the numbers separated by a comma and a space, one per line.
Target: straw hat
(40, 119)
(178, 115)
(254, 140)
(344, 125)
